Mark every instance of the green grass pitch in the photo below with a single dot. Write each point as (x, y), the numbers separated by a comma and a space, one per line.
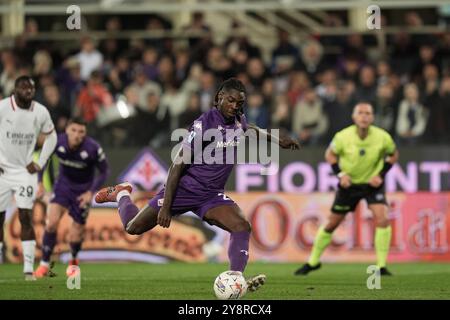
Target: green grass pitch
(194, 281)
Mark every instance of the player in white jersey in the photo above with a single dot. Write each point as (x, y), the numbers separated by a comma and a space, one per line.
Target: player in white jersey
(22, 120)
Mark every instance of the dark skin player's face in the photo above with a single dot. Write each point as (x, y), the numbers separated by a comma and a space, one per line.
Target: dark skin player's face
(230, 101)
(24, 93)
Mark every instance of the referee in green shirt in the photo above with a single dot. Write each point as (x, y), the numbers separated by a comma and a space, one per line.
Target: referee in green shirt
(360, 156)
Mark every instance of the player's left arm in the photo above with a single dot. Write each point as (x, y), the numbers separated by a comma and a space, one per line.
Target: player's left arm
(285, 142)
(390, 158)
(48, 148)
(47, 130)
(389, 161)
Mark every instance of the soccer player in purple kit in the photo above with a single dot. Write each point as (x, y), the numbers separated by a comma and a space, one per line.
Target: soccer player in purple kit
(79, 155)
(199, 187)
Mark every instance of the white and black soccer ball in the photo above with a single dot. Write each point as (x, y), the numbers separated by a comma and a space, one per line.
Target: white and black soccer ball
(230, 285)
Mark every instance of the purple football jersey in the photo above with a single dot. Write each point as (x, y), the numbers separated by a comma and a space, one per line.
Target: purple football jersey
(202, 176)
(77, 167)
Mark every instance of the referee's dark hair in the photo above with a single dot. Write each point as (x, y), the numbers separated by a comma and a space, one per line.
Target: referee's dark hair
(77, 120)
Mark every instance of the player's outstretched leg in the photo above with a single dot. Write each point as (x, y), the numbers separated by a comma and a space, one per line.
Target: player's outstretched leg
(134, 221)
(121, 194)
(230, 218)
(321, 242)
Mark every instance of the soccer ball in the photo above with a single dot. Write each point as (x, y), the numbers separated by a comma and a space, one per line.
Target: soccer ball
(230, 285)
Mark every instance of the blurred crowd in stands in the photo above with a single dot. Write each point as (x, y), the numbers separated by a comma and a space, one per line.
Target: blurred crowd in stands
(155, 86)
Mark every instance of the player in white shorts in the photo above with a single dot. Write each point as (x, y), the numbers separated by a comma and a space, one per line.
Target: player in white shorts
(22, 120)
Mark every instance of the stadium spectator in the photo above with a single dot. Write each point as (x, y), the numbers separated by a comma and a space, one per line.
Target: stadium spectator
(444, 101)
(438, 107)
(256, 112)
(42, 63)
(166, 70)
(348, 67)
(9, 72)
(238, 42)
(257, 73)
(284, 55)
(197, 28)
(340, 110)
(69, 80)
(412, 117)
(385, 108)
(192, 111)
(150, 58)
(443, 52)
(150, 124)
(93, 98)
(367, 86)
(427, 55)
(403, 53)
(143, 87)
(207, 89)
(298, 84)
(281, 116)
(182, 65)
(383, 71)
(119, 76)
(89, 57)
(59, 111)
(309, 122)
(311, 60)
(326, 89)
(174, 100)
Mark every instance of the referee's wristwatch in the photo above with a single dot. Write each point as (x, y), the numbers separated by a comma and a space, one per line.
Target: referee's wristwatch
(341, 174)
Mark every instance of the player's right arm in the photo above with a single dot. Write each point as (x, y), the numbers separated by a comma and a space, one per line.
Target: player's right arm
(174, 175)
(332, 157)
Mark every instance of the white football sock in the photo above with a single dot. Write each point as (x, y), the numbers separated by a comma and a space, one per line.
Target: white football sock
(121, 194)
(28, 248)
(44, 263)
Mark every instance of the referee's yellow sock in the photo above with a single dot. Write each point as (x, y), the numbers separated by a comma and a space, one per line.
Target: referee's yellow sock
(382, 244)
(321, 241)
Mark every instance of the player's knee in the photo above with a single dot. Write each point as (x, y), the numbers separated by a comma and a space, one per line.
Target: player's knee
(51, 228)
(330, 227)
(382, 222)
(242, 225)
(26, 221)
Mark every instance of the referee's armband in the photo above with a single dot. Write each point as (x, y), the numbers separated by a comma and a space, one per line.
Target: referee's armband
(336, 168)
(386, 167)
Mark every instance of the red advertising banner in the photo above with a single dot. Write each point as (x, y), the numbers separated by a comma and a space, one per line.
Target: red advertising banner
(283, 229)
(105, 235)
(284, 226)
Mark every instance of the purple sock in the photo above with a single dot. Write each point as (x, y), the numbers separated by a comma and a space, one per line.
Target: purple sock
(238, 250)
(48, 243)
(127, 210)
(75, 247)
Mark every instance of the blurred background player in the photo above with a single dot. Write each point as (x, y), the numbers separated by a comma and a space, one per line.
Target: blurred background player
(22, 120)
(79, 156)
(360, 156)
(199, 187)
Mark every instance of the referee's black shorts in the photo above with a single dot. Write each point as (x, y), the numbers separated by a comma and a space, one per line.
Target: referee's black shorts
(346, 200)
